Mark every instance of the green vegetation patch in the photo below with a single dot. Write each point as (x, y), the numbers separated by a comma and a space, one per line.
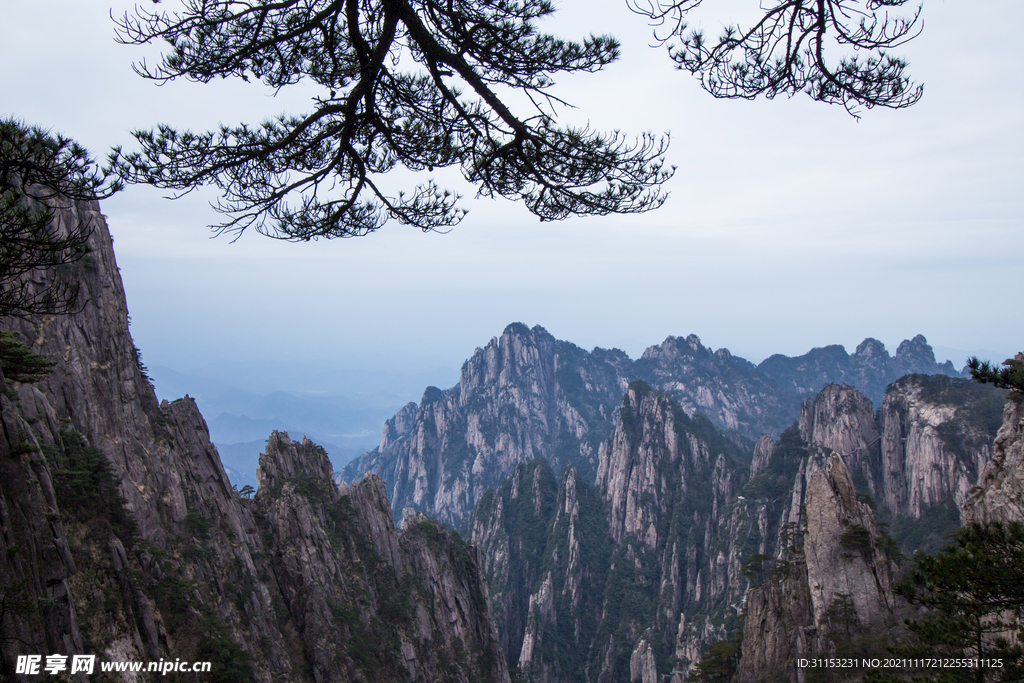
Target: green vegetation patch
(18, 363)
(87, 491)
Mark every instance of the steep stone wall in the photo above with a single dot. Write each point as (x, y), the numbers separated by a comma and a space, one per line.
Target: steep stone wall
(837, 557)
(937, 434)
(364, 598)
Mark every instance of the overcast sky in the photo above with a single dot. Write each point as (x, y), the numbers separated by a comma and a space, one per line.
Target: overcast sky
(790, 225)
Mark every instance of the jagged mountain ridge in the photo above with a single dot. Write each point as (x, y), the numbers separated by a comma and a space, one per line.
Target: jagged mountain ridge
(124, 538)
(525, 395)
(869, 368)
(528, 395)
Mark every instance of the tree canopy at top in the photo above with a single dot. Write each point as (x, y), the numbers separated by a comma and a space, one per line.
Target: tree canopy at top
(425, 84)
(411, 84)
(793, 48)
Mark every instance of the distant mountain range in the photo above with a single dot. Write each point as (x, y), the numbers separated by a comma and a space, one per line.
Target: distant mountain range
(528, 395)
(240, 419)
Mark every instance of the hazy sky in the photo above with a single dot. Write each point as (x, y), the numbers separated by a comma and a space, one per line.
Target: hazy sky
(790, 225)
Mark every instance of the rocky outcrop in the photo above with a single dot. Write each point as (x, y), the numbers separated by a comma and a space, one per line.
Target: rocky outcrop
(762, 452)
(841, 419)
(778, 625)
(830, 579)
(842, 552)
(566, 608)
(38, 563)
(527, 395)
(676, 537)
(365, 599)
(124, 538)
(833, 580)
(937, 435)
(924, 448)
(136, 485)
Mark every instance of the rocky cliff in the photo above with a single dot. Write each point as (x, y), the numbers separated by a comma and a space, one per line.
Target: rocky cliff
(828, 591)
(831, 580)
(632, 574)
(124, 538)
(365, 600)
(151, 520)
(525, 396)
(919, 456)
(936, 436)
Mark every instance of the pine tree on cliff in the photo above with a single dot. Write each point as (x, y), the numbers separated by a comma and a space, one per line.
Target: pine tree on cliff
(974, 589)
(425, 84)
(38, 171)
(1011, 376)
